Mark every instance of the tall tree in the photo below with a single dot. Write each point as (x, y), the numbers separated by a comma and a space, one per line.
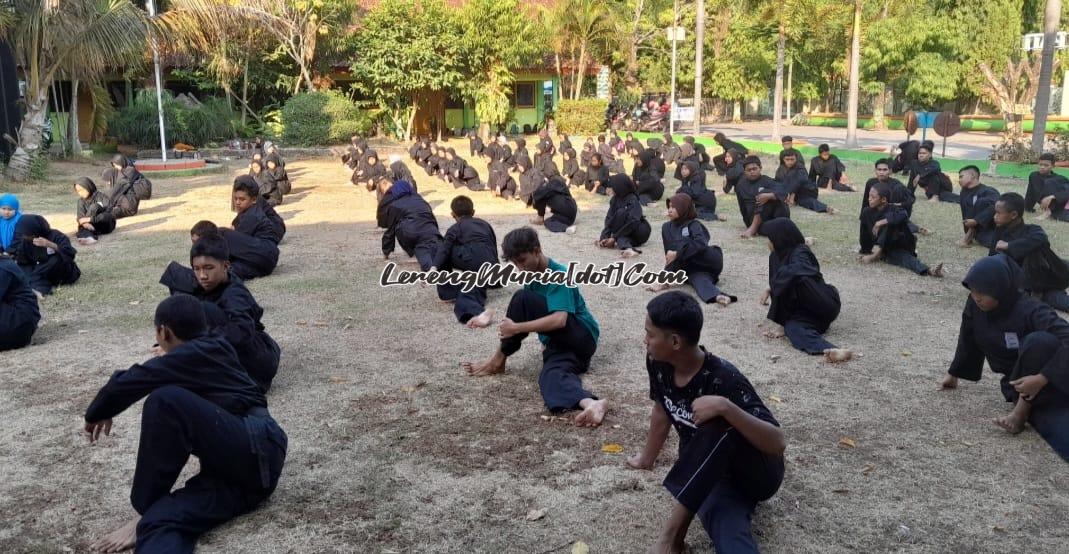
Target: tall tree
(1051, 19)
(855, 74)
(585, 30)
(79, 39)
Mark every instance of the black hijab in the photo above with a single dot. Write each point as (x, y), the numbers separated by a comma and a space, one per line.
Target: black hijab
(997, 276)
(621, 185)
(784, 234)
(87, 184)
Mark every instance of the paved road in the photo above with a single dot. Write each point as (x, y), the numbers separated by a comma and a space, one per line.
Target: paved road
(964, 145)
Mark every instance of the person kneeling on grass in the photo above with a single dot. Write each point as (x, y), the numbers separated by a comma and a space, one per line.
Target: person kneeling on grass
(200, 403)
(467, 245)
(1024, 341)
(730, 446)
(890, 234)
(565, 328)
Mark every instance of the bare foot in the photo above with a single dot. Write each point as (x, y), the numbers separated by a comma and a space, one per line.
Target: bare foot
(933, 199)
(493, 366)
(747, 234)
(39, 296)
(836, 355)
(481, 320)
(774, 334)
(1011, 423)
(723, 300)
(964, 243)
(1044, 215)
(948, 382)
(628, 253)
(657, 288)
(537, 221)
(810, 241)
(570, 230)
(118, 540)
(721, 217)
(938, 272)
(85, 241)
(638, 462)
(868, 258)
(668, 545)
(924, 231)
(593, 414)
(832, 211)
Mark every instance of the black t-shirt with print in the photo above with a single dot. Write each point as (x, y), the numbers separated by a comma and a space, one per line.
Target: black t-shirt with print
(716, 377)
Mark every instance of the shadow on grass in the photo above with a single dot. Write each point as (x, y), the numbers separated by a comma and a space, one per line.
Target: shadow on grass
(142, 225)
(159, 208)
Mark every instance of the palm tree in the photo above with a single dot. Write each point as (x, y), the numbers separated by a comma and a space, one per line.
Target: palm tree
(78, 39)
(1051, 20)
(855, 75)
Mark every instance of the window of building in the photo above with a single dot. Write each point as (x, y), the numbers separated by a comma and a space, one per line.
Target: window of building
(525, 95)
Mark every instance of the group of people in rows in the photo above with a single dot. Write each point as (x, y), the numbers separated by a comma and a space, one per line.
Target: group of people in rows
(724, 470)
(214, 361)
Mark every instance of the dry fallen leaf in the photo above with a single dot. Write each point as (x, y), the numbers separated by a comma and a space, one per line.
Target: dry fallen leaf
(545, 418)
(998, 529)
(337, 379)
(302, 322)
(868, 469)
(907, 353)
(967, 443)
(775, 399)
(840, 491)
(134, 302)
(347, 326)
(615, 426)
(535, 515)
(847, 442)
(612, 448)
(319, 323)
(580, 547)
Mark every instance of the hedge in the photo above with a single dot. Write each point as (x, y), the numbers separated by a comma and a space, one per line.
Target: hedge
(581, 117)
(139, 124)
(322, 117)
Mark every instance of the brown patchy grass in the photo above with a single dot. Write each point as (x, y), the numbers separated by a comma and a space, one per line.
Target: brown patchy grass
(380, 463)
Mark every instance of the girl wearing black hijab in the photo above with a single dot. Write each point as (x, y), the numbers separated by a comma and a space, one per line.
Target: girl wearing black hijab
(625, 226)
(45, 255)
(693, 185)
(531, 179)
(1024, 341)
(669, 150)
(94, 218)
(554, 195)
(733, 169)
(597, 175)
(575, 177)
(123, 200)
(544, 160)
(800, 299)
(587, 154)
(687, 248)
(268, 186)
(686, 154)
(123, 174)
(275, 166)
(463, 174)
(647, 176)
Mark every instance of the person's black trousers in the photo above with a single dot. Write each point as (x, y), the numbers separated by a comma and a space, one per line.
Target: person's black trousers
(241, 460)
(566, 356)
(1050, 408)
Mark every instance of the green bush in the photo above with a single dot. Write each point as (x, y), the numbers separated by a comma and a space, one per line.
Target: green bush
(322, 117)
(138, 123)
(581, 117)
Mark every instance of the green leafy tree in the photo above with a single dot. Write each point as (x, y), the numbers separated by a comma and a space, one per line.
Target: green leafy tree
(403, 49)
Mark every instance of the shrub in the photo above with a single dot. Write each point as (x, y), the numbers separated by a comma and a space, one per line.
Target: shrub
(322, 117)
(138, 123)
(581, 117)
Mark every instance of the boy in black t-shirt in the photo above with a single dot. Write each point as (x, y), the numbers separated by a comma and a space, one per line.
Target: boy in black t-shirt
(730, 446)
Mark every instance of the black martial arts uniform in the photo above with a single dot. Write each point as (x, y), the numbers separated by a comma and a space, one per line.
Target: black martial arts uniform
(141, 185)
(719, 476)
(464, 175)
(978, 203)
(798, 157)
(409, 221)
(122, 198)
(797, 182)
(1046, 275)
(624, 221)
(44, 268)
(279, 174)
(686, 154)
(932, 180)
(1036, 185)
(597, 179)
(896, 239)
(704, 162)
(553, 194)
(827, 173)
(468, 244)
(608, 158)
(234, 315)
(531, 179)
(96, 209)
(500, 163)
(718, 161)
(1058, 187)
(269, 191)
(568, 350)
(576, 177)
(520, 155)
(693, 185)
(648, 175)
(367, 174)
(19, 313)
(253, 243)
(475, 144)
(200, 402)
(907, 155)
(1021, 337)
(702, 261)
(899, 196)
(587, 153)
(669, 150)
(801, 301)
(544, 160)
(746, 192)
(732, 174)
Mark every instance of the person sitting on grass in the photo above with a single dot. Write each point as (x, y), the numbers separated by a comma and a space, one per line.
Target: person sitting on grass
(232, 311)
(1054, 203)
(1024, 341)
(692, 184)
(565, 327)
(928, 175)
(760, 198)
(625, 225)
(730, 445)
(977, 208)
(468, 245)
(890, 234)
(796, 183)
(827, 171)
(1046, 274)
(553, 197)
(44, 254)
(787, 142)
(1037, 181)
(800, 301)
(200, 402)
(19, 311)
(900, 196)
(687, 248)
(94, 217)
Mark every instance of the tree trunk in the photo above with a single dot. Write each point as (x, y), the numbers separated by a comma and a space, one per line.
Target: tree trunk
(855, 70)
(29, 137)
(245, 92)
(580, 70)
(777, 96)
(560, 79)
(736, 114)
(631, 67)
(76, 141)
(879, 122)
(1051, 19)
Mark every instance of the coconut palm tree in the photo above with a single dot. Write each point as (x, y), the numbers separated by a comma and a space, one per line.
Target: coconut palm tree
(78, 39)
